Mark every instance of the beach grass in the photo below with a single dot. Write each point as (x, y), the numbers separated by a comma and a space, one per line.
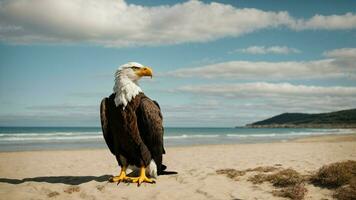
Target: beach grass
(340, 177)
(335, 175)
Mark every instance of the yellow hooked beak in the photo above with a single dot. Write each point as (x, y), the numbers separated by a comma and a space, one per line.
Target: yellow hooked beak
(144, 71)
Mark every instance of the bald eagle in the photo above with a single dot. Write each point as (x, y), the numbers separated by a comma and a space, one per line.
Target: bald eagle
(132, 126)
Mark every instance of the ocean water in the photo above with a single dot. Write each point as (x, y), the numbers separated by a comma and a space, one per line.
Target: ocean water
(44, 138)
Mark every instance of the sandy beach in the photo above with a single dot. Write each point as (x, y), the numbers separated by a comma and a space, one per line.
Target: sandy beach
(83, 174)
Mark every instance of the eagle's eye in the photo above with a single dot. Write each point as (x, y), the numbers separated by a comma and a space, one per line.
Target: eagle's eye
(135, 68)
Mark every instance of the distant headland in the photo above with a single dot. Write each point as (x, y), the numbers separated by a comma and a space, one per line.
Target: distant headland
(338, 119)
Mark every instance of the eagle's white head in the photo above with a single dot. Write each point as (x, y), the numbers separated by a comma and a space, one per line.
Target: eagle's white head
(126, 86)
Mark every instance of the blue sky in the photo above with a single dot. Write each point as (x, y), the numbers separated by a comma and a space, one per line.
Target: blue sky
(215, 64)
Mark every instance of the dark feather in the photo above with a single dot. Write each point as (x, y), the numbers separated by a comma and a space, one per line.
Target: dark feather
(104, 114)
(136, 132)
(151, 129)
(121, 131)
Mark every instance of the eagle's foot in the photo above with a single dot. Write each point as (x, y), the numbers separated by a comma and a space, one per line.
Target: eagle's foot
(142, 178)
(120, 178)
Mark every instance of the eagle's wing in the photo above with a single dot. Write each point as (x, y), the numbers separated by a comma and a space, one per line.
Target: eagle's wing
(149, 119)
(104, 117)
(132, 143)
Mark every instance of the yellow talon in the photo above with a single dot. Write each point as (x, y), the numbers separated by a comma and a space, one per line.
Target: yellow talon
(121, 178)
(142, 178)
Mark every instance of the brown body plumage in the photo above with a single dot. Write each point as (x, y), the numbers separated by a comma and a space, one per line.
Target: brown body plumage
(135, 133)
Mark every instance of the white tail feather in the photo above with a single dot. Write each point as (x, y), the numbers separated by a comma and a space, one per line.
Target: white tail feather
(151, 169)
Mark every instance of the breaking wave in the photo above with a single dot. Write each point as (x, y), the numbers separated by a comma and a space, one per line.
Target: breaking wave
(172, 135)
(185, 136)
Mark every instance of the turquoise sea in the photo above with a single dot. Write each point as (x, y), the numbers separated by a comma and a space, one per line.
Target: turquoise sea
(45, 138)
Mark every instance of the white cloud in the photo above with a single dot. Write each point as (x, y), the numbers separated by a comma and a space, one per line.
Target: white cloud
(259, 100)
(117, 23)
(261, 69)
(340, 63)
(258, 89)
(321, 22)
(267, 50)
(66, 114)
(342, 53)
(64, 108)
(239, 104)
(49, 119)
(240, 111)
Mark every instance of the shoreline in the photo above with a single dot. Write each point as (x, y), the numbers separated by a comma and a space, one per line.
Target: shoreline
(311, 138)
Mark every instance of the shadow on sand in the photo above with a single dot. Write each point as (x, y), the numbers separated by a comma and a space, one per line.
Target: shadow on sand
(69, 180)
